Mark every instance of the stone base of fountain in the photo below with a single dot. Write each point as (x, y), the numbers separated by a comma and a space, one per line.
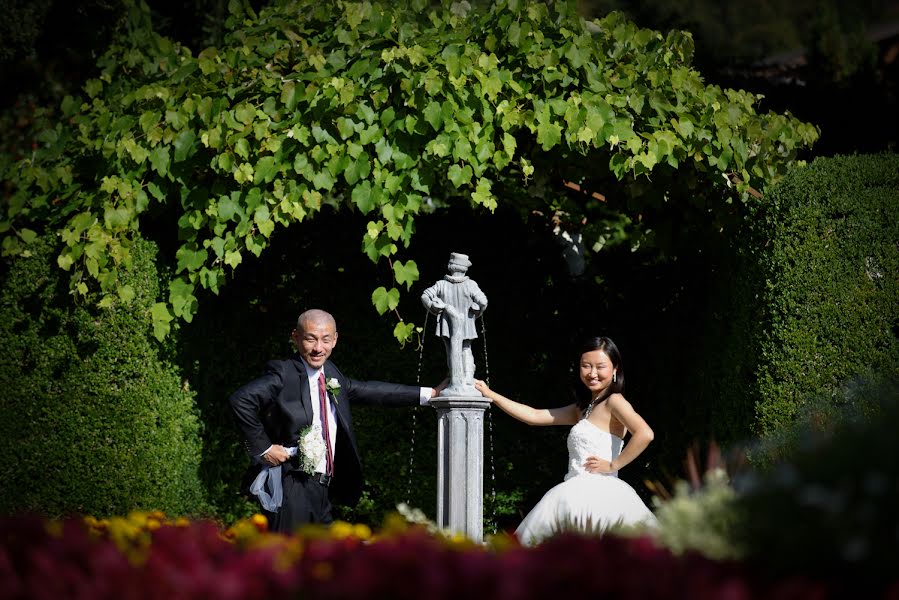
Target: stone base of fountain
(460, 463)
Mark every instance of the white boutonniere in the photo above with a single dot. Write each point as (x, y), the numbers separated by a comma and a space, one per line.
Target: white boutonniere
(333, 387)
(310, 448)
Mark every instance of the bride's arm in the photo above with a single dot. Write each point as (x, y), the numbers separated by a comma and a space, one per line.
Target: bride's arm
(564, 415)
(641, 433)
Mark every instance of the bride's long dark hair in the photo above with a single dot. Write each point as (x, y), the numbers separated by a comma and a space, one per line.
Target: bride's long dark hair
(604, 344)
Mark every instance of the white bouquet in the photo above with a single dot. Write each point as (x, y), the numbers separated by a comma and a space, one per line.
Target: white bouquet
(311, 448)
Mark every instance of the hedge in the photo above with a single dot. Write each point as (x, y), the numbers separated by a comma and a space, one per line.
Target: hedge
(95, 418)
(801, 305)
(827, 249)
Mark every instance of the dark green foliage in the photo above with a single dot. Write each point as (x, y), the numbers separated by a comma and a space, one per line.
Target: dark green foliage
(831, 266)
(721, 333)
(802, 301)
(94, 419)
(819, 416)
(832, 507)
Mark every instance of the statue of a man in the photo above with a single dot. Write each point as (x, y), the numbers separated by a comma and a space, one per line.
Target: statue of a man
(457, 301)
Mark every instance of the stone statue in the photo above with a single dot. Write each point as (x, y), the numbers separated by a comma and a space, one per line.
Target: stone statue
(457, 301)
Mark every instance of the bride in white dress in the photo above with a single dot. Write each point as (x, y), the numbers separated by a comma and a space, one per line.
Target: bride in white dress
(591, 498)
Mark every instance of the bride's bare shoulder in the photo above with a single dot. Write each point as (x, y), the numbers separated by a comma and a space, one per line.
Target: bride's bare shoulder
(617, 400)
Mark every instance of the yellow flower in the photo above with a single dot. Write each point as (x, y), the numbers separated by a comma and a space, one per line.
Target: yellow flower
(260, 521)
(341, 530)
(362, 531)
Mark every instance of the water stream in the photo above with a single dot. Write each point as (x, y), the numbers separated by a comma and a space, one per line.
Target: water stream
(492, 521)
(421, 349)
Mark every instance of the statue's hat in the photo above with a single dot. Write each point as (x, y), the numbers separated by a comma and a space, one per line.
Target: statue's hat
(459, 259)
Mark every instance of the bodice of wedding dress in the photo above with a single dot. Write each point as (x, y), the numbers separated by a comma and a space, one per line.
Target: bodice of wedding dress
(586, 439)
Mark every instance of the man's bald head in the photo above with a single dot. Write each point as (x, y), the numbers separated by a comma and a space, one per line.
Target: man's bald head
(315, 337)
(315, 316)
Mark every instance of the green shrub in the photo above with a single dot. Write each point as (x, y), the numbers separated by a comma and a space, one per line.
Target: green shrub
(826, 243)
(831, 508)
(817, 418)
(803, 300)
(94, 418)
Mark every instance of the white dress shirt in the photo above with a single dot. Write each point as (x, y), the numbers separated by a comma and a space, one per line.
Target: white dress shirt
(313, 376)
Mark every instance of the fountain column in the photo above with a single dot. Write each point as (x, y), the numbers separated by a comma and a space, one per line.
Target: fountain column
(460, 464)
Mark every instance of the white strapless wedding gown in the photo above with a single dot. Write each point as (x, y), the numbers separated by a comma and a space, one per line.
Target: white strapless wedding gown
(589, 502)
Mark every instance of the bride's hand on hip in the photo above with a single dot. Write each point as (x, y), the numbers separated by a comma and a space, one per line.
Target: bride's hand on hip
(595, 464)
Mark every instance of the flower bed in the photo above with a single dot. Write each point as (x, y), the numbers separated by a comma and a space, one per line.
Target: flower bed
(148, 556)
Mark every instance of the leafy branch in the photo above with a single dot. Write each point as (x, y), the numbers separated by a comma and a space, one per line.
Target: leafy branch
(379, 108)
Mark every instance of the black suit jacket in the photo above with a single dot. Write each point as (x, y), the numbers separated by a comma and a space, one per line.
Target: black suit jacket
(276, 407)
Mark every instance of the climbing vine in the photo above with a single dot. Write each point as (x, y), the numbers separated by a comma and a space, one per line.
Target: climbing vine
(387, 108)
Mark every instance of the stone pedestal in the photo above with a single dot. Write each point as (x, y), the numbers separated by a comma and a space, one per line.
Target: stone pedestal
(460, 464)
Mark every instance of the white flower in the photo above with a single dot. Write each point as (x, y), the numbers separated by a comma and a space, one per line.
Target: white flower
(311, 448)
(333, 387)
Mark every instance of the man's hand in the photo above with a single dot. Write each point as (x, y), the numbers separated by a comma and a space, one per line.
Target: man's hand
(275, 455)
(440, 387)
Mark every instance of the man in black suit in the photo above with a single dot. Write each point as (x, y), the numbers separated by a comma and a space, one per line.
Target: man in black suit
(304, 403)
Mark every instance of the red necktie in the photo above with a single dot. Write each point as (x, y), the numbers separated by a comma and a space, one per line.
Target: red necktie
(323, 412)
